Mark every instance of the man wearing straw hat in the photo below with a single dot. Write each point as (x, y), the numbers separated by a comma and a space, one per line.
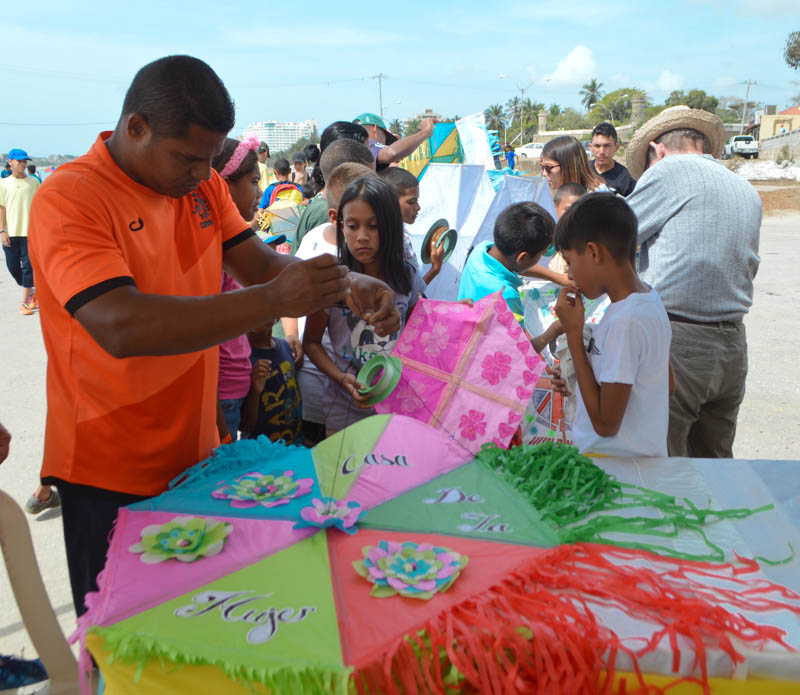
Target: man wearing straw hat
(698, 230)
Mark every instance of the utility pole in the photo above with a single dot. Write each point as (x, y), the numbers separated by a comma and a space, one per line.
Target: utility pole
(749, 83)
(380, 77)
(522, 112)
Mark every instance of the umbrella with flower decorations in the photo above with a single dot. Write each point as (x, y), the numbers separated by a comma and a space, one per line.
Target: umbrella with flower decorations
(455, 574)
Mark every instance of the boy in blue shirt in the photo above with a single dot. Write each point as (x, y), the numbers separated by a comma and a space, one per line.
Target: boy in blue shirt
(624, 377)
(522, 233)
(511, 156)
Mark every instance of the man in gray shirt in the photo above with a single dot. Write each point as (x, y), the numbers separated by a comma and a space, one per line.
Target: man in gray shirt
(698, 231)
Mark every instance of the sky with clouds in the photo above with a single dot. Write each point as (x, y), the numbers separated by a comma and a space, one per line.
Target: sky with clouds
(66, 66)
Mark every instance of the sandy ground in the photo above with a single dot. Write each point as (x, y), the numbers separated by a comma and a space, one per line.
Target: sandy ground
(769, 422)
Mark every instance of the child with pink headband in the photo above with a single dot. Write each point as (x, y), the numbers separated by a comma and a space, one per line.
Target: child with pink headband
(240, 382)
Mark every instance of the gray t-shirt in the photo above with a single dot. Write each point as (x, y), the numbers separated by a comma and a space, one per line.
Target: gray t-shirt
(699, 228)
(354, 341)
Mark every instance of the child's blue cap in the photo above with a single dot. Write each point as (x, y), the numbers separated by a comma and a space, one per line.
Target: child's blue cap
(275, 239)
(18, 154)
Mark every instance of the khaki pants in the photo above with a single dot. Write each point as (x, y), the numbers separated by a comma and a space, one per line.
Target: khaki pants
(710, 367)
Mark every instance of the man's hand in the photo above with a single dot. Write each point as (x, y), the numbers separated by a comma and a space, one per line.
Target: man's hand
(569, 309)
(375, 302)
(5, 239)
(5, 442)
(426, 126)
(308, 286)
(260, 374)
(297, 350)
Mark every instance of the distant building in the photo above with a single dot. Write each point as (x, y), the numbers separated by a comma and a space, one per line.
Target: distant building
(280, 135)
(427, 113)
(776, 123)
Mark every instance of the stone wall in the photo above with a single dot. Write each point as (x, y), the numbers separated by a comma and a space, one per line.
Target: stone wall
(770, 148)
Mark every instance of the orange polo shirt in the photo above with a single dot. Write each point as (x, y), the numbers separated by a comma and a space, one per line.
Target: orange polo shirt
(128, 425)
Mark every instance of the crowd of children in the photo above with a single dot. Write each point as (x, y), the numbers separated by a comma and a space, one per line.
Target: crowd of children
(620, 374)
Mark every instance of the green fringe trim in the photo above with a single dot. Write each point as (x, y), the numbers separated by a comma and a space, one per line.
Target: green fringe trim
(566, 488)
(283, 680)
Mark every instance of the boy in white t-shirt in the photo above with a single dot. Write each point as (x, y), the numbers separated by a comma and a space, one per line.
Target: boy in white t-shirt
(624, 377)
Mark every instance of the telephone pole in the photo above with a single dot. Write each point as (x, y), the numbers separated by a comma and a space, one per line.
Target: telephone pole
(522, 111)
(380, 77)
(749, 84)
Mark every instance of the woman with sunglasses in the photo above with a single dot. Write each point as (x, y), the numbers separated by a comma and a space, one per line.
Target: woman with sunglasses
(564, 160)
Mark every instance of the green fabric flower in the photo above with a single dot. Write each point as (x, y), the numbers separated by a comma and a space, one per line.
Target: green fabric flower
(185, 538)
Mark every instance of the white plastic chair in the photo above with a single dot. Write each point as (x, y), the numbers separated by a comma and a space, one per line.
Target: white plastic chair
(34, 604)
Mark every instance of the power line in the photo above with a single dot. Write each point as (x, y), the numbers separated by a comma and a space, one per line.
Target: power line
(54, 125)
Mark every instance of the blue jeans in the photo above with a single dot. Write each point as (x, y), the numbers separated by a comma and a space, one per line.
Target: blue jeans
(232, 412)
(18, 262)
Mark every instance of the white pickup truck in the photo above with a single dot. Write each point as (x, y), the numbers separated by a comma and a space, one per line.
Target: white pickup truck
(743, 145)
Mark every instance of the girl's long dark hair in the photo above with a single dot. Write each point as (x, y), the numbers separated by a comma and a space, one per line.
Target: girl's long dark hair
(381, 197)
(571, 156)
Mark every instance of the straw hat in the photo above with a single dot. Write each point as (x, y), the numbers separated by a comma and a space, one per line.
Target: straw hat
(669, 119)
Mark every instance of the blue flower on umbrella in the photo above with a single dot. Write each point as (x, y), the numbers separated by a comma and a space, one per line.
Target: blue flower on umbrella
(415, 570)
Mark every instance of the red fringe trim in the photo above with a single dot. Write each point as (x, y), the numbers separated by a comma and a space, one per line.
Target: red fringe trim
(534, 632)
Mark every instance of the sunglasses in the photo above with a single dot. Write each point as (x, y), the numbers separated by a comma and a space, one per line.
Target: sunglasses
(547, 168)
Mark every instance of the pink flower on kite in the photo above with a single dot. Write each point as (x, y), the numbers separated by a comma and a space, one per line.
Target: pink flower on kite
(410, 397)
(445, 308)
(435, 340)
(496, 367)
(473, 424)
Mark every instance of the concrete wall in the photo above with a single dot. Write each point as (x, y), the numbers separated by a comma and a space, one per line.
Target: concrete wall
(623, 133)
(770, 148)
(771, 125)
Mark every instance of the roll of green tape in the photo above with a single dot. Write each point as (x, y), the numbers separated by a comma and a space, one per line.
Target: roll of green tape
(390, 368)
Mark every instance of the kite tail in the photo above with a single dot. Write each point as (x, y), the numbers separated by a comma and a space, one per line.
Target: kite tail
(536, 632)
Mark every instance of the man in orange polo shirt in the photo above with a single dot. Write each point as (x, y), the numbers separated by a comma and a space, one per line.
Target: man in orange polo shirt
(128, 244)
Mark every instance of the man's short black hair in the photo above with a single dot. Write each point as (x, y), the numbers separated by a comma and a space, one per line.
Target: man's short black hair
(341, 151)
(606, 130)
(176, 91)
(282, 166)
(523, 227)
(602, 218)
(568, 189)
(400, 179)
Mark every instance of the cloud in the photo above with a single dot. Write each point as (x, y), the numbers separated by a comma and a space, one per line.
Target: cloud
(725, 82)
(668, 81)
(768, 8)
(576, 68)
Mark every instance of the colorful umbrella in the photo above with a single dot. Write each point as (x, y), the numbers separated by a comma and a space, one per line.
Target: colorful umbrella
(454, 581)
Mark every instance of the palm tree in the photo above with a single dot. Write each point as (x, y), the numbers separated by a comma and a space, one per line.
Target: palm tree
(512, 108)
(591, 93)
(495, 117)
(396, 127)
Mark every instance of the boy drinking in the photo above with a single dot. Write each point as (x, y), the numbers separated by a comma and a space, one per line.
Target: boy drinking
(522, 233)
(624, 375)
